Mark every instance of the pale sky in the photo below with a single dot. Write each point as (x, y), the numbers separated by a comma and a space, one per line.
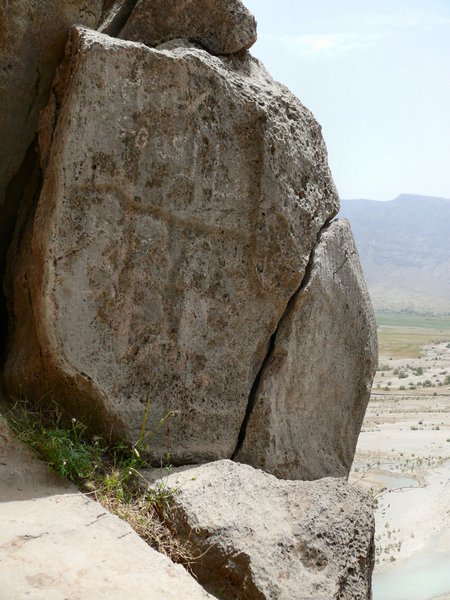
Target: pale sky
(376, 74)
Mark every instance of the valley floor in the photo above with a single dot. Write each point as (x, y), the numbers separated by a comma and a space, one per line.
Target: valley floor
(403, 456)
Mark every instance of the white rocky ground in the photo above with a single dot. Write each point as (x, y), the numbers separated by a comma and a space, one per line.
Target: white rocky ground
(403, 455)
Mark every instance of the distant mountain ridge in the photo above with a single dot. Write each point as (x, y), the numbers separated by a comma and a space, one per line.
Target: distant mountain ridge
(404, 246)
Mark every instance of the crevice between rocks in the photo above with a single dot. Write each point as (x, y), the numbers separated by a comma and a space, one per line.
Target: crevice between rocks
(115, 16)
(17, 189)
(272, 342)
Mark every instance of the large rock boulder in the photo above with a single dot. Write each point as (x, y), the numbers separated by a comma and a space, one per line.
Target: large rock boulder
(33, 34)
(220, 26)
(183, 195)
(260, 537)
(57, 543)
(313, 392)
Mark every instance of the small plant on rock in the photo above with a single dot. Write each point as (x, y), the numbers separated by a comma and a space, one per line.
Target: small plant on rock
(111, 473)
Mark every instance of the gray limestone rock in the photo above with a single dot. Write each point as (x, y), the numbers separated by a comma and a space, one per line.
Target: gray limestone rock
(33, 34)
(220, 26)
(314, 389)
(264, 538)
(183, 194)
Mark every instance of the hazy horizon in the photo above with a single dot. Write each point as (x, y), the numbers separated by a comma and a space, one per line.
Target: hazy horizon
(425, 197)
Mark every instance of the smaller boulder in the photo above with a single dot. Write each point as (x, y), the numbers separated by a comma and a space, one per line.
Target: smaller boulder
(261, 537)
(313, 392)
(220, 26)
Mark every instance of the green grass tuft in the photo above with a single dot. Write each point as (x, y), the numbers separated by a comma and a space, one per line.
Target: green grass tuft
(109, 473)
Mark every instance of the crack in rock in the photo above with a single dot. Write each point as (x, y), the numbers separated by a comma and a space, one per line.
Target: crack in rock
(103, 514)
(348, 255)
(114, 19)
(21, 540)
(272, 342)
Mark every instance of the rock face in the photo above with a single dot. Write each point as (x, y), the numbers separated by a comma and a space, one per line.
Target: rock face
(32, 38)
(183, 195)
(57, 543)
(265, 538)
(313, 393)
(220, 26)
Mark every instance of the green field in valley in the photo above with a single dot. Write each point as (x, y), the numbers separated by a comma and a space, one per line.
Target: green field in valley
(401, 335)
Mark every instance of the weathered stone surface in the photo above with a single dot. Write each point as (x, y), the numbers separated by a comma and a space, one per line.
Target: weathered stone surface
(220, 26)
(115, 16)
(267, 538)
(56, 543)
(313, 392)
(32, 38)
(182, 197)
